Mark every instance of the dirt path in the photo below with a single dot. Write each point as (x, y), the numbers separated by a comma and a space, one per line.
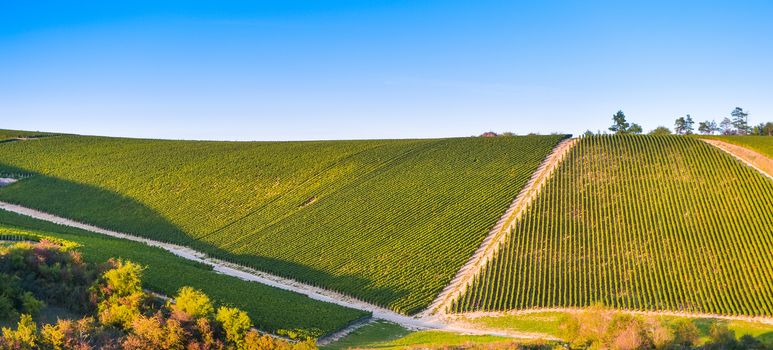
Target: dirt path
(497, 234)
(5, 181)
(751, 158)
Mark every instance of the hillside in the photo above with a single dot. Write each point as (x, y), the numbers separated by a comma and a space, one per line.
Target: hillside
(639, 222)
(271, 309)
(387, 221)
(6, 135)
(760, 144)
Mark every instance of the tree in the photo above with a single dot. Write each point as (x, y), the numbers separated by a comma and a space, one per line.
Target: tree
(726, 125)
(635, 129)
(620, 126)
(688, 125)
(763, 129)
(120, 294)
(192, 303)
(235, 323)
(708, 127)
(587, 133)
(740, 120)
(660, 131)
(679, 126)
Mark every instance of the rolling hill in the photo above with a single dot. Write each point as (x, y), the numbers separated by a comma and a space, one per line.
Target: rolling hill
(387, 221)
(641, 223)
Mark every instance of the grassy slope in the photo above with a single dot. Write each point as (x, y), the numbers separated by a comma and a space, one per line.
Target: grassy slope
(388, 221)
(13, 134)
(271, 309)
(646, 223)
(760, 144)
(550, 323)
(385, 335)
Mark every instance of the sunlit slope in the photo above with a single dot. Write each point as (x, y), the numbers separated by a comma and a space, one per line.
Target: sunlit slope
(640, 222)
(387, 221)
(760, 144)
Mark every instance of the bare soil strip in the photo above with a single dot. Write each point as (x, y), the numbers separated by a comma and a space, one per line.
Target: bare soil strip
(497, 234)
(751, 158)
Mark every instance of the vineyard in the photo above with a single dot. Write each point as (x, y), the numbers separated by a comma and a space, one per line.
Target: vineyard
(271, 309)
(386, 221)
(642, 223)
(760, 144)
(6, 135)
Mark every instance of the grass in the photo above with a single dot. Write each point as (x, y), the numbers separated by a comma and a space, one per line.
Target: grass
(271, 309)
(369, 335)
(550, 323)
(761, 144)
(385, 335)
(387, 221)
(639, 223)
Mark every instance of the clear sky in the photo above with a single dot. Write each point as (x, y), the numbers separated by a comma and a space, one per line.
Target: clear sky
(289, 70)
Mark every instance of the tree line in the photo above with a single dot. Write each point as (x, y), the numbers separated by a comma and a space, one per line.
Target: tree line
(736, 124)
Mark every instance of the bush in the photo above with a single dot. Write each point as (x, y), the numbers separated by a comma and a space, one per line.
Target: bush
(193, 303)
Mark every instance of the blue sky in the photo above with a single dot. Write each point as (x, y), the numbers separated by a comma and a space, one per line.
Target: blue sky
(290, 70)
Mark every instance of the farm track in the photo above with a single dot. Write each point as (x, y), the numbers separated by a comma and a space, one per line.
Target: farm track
(497, 234)
(749, 157)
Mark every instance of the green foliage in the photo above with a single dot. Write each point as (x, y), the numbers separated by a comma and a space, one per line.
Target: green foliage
(120, 294)
(642, 223)
(235, 323)
(273, 310)
(659, 131)
(125, 321)
(740, 120)
(192, 302)
(387, 221)
(23, 338)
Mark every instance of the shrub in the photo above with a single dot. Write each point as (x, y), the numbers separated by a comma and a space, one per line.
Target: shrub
(191, 303)
(235, 323)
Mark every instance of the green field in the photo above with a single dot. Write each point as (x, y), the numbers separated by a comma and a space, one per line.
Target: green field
(384, 335)
(387, 221)
(641, 223)
(761, 144)
(271, 309)
(6, 135)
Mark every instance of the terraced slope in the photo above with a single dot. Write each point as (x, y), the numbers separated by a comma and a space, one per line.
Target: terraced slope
(639, 222)
(388, 222)
(271, 309)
